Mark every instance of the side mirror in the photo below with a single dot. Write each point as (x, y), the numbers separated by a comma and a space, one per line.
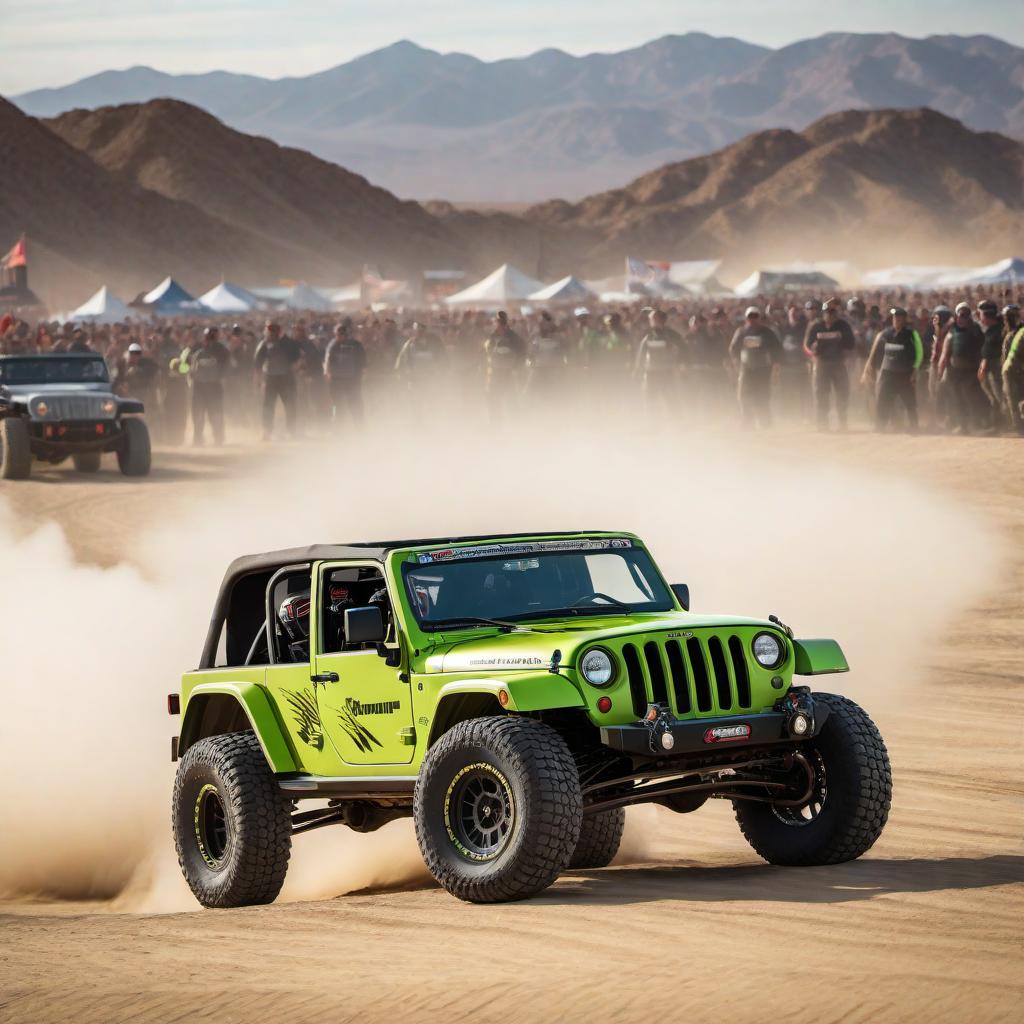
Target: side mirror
(682, 592)
(364, 625)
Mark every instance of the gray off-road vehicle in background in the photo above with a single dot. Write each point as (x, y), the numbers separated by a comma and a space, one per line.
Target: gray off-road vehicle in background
(59, 406)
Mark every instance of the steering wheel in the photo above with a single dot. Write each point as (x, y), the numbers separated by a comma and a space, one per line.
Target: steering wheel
(590, 597)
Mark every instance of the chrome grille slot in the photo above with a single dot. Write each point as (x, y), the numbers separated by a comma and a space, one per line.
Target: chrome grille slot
(680, 685)
(701, 683)
(739, 668)
(637, 682)
(724, 690)
(656, 672)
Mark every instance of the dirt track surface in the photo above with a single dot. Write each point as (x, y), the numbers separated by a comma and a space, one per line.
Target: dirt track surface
(928, 926)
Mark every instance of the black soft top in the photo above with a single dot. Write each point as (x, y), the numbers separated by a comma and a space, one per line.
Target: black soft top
(270, 561)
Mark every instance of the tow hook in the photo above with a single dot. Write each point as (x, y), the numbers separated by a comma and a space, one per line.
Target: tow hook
(798, 707)
(658, 720)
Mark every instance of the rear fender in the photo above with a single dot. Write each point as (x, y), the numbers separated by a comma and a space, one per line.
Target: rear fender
(215, 708)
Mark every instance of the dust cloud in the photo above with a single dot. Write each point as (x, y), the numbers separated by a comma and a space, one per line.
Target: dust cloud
(89, 653)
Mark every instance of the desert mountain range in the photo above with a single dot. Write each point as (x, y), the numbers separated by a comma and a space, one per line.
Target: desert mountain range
(429, 125)
(125, 195)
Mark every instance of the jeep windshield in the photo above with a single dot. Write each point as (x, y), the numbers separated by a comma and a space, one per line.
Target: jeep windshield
(54, 370)
(461, 588)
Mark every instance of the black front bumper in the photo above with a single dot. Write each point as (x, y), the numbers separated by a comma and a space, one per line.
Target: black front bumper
(65, 437)
(697, 735)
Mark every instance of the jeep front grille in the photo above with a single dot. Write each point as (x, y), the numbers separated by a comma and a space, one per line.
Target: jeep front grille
(75, 407)
(706, 675)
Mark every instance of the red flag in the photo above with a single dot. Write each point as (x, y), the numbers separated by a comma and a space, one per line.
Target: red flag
(16, 257)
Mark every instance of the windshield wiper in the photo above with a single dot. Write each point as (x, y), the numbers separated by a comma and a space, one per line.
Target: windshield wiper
(610, 602)
(476, 620)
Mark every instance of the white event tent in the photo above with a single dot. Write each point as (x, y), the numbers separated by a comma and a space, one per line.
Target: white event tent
(506, 284)
(229, 298)
(103, 308)
(570, 290)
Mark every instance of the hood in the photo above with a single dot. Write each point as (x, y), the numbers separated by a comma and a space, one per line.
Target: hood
(488, 650)
(31, 391)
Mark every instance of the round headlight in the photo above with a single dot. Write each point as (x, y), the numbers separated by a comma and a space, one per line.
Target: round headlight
(109, 406)
(768, 650)
(42, 408)
(597, 667)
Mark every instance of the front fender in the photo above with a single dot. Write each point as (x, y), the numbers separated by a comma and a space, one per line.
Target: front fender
(818, 657)
(255, 704)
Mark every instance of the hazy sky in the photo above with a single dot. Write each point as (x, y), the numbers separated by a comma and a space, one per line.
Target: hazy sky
(53, 42)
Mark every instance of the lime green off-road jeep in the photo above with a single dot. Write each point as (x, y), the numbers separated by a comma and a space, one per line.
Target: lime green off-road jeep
(513, 695)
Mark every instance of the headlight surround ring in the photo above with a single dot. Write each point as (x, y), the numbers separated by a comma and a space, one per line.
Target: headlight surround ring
(780, 655)
(608, 665)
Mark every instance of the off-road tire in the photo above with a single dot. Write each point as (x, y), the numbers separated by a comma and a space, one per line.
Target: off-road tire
(534, 765)
(599, 840)
(15, 449)
(258, 819)
(134, 454)
(87, 462)
(858, 795)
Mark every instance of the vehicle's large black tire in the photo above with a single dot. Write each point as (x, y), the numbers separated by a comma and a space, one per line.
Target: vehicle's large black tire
(247, 864)
(15, 449)
(528, 767)
(857, 795)
(87, 462)
(134, 455)
(599, 840)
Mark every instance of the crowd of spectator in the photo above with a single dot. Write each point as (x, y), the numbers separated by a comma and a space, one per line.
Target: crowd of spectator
(937, 362)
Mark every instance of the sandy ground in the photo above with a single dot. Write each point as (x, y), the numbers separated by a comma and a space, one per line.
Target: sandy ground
(928, 926)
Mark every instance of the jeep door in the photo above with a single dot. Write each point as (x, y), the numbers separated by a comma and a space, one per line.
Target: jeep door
(367, 711)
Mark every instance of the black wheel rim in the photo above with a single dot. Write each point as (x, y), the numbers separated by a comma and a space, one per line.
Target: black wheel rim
(479, 812)
(806, 814)
(211, 826)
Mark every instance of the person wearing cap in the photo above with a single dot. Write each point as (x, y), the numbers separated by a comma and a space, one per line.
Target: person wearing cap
(274, 361)
(1013, 367)
(505, 359)
(958, 367)
(895, 357)
(547, 358)
(659, 358)
(344, 366)
(828, 342)
(423, 358)
(755, 347)
(208, 364)
(793, 363)
(137, 376)
(990, 374)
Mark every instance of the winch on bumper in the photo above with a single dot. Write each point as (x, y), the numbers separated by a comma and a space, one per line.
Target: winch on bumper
(793, 717)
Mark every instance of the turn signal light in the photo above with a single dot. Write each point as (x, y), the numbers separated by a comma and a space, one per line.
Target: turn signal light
(727, 733)
(604, 705)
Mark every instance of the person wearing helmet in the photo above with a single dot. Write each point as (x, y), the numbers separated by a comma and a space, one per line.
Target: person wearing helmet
(755, 347)
(505, 359)
(958, 367)
(990, 371)
(828, 343)
(344, 364)
(208, 364)
(659, 358)
(1013, 367)
(895, 357)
